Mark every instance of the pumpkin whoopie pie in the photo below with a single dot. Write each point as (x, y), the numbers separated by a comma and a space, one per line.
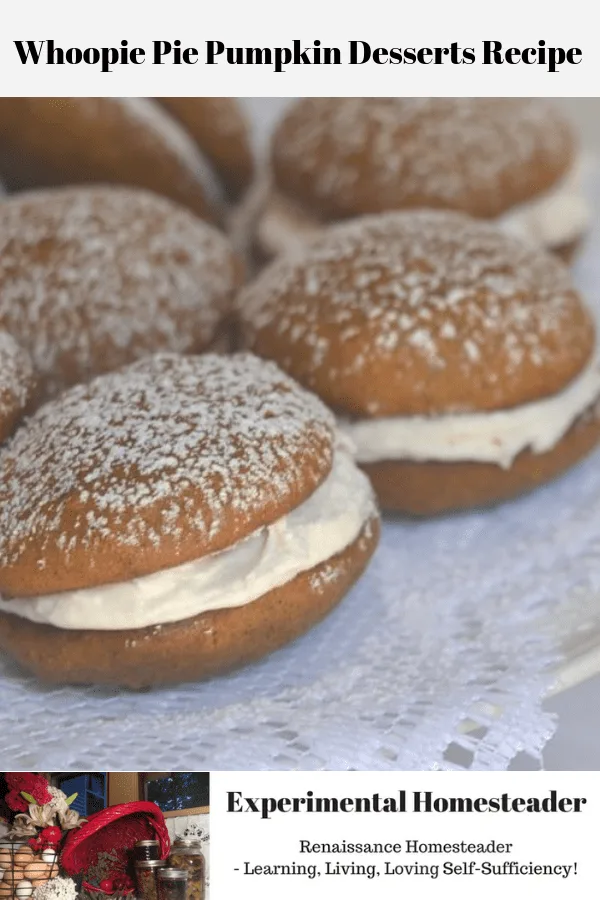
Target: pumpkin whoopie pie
(17, 384)
(132, 141)
(461, 362)
(92, 278)
(220, 130)
(511, 160)
(175, 519)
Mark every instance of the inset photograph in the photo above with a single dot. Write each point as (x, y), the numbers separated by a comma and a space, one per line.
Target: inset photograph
(104, 835)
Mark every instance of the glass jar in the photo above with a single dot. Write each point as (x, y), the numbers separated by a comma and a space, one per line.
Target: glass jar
(172, 884)
(186, 853)
(145, 877)
(145, 850)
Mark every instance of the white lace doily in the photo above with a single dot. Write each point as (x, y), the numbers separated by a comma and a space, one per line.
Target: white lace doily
(440, 657)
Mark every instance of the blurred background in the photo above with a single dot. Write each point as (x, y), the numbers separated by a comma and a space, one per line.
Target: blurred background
(585, 112)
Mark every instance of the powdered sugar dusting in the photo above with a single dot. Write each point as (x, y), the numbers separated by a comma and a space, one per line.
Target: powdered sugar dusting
(172, 451)
(429, 295)
(92, 278)
(328, 573)
(16, 376)
(346, 156)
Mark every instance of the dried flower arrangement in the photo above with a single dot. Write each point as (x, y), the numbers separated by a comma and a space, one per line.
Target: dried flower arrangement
(100, 878)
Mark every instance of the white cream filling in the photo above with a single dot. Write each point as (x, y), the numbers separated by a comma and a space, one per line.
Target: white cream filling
(492, 437)
(284, 227)
(557, 217)
(324, 525)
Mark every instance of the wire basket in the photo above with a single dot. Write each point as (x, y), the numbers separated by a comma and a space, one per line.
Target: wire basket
(23, 869)
(111, 835)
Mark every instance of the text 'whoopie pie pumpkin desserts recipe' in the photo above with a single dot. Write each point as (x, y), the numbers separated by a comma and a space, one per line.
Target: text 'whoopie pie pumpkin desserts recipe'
(93, 278)
(175, 519)
(461, 362)
(512, 160)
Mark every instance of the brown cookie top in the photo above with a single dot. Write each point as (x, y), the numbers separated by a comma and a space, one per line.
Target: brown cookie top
(347, 156)
(222, 133)
(158, 464)
(93, 278)
(419, 312)
(17, 383)
(72, 140)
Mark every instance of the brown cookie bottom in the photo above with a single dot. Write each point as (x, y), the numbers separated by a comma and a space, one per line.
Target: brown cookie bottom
(431, 488)
(194, 649)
